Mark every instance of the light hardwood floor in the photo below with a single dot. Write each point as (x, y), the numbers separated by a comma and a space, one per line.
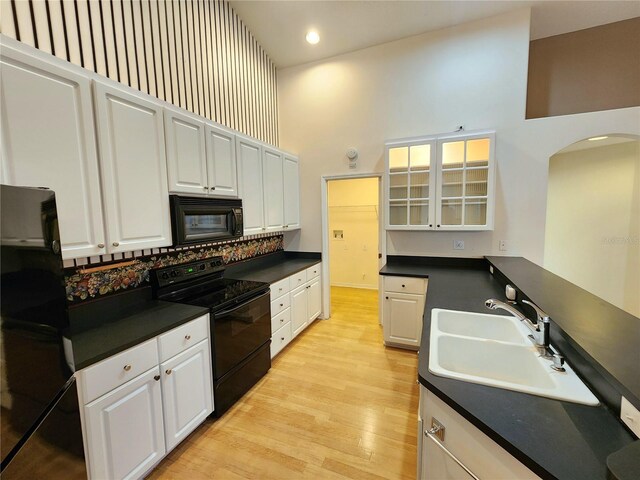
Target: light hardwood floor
(336, 404)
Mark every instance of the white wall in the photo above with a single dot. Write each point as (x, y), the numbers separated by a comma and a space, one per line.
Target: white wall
(593, 221)
(473, 75)
(353, 209)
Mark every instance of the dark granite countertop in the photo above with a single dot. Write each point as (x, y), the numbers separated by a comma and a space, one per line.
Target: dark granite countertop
(555, 439)
(107, 327)
(272, 268)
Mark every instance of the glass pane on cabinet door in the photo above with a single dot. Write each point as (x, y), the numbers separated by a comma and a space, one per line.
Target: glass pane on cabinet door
(451, 212)
(475, 184)
(397, 213)
(419, 185)
(475, 211)
(478, 152)
(398, 186)
(419, 213)
(452, 183)
(420, 157)
(398, 159)
(453, 155)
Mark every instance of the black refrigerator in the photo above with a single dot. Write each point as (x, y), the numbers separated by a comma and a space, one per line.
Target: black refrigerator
(39, 412)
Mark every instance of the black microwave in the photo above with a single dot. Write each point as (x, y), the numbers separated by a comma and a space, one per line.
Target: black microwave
(196, 220)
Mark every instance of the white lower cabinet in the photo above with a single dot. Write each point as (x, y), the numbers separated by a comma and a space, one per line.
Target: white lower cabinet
(299, 309)
(296, 301)
(460, 451)
(402, 310)
(186, 392)
(125, 429)
(131, 427)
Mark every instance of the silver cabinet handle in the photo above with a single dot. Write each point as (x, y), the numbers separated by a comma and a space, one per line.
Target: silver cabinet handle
(156, 377)
(127, 368)
(168, 371)
(431, 434)
(115, 244)
(187, 337)
(212, 188)
(205, 188)
(101, 245)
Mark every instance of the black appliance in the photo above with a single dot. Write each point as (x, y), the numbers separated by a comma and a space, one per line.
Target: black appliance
(201, 220)
(240, 316)
(41, 435)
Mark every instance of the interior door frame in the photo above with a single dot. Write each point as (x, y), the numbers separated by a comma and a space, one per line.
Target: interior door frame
(382, 233)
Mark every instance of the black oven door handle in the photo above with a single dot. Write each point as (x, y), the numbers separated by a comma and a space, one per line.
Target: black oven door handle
(224, 313)
(234, 222)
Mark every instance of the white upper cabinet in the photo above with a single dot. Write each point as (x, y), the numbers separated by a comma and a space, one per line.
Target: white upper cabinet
(186, 156)
(273, 189)
(441, 183)
(133, 167)
(48, 141)
(291, 175)
(249, 155)
(201, 157)
(221, 161)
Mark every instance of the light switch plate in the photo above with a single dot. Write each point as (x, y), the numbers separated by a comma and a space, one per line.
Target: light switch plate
(630, 416)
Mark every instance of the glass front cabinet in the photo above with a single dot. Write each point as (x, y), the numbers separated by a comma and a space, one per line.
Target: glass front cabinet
(443, 182)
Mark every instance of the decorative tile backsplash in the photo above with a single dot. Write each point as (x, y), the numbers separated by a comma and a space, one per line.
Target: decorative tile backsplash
(85, 286)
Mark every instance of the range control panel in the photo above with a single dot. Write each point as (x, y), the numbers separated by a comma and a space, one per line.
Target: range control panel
(162, 277)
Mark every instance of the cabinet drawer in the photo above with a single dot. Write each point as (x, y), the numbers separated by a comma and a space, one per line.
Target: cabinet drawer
(182, 337)
(279, 305)
(298, 279)
(279, 320)
(108, 374)
(314, 271)
(405, 285)
(279, 288)
(280, 339)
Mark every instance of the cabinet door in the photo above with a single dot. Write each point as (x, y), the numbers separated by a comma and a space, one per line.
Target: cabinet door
(272, 174)
(48, 141)
(133, 167)
(221, 162)
(125, 437)
(315, 299)
(187, 392)
(466, 182)
(186, 157)
(291, 176)
(299, 309)
(411, 176)
(402, 318)
(249, 155)
(437, 464)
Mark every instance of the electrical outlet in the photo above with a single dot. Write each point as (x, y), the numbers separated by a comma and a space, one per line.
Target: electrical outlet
(458, 244)
(502, 245)
(630, 416)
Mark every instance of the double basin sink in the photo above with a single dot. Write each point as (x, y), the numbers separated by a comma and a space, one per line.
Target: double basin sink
(494, 350)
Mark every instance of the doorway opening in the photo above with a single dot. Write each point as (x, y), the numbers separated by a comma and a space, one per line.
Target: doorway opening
(352, 243)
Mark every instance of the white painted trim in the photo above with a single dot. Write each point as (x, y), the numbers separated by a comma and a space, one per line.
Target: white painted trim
(382, 234)
(354, 285)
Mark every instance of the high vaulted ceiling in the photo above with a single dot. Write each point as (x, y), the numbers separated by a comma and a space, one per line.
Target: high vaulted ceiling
(345, 26)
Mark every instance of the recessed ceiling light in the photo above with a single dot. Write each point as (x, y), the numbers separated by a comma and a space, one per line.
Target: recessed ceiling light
(312, 37)
(593, 139)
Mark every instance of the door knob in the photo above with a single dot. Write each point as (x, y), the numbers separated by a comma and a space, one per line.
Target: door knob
(187, 337)
(127, 368)
(156, 377)
(115, 244)
(101, 245)
(168, 371)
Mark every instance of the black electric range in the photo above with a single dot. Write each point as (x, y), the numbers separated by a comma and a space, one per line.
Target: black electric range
(240, 322)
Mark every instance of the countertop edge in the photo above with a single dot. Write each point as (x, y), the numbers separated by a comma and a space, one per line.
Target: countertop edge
(137, 341)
